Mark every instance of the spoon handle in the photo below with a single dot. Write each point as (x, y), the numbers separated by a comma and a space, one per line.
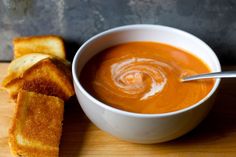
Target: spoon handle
(225, 74)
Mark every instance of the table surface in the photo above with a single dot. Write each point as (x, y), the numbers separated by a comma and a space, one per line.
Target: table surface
(215, 136)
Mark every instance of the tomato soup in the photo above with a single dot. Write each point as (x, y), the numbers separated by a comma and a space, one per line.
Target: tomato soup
(144, 77)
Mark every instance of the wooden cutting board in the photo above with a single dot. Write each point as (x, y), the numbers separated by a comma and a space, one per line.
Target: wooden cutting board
(215, 136)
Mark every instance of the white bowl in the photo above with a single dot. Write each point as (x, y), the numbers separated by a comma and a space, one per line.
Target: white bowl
(143, 128)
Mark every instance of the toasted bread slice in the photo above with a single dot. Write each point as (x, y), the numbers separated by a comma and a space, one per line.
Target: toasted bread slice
(50, 44)
(49, 76)
(36, 126)
(18, 66)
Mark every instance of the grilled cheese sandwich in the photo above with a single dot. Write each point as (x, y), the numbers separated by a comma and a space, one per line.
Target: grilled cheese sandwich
(36, 126)
(48, 76)
(47, 44)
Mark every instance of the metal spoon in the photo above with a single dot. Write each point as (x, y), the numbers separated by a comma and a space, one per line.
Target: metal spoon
(225, 74)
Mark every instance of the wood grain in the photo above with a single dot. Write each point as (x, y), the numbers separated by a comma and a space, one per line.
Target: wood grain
(215, 136)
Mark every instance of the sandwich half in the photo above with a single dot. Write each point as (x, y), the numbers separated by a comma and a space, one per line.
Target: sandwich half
(47, 44)
(48, 76)
(36, 126)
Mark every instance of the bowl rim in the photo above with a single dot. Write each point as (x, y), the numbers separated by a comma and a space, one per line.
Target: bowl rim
(133, 114)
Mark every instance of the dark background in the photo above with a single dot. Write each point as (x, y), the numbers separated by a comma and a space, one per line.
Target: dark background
(213, 21)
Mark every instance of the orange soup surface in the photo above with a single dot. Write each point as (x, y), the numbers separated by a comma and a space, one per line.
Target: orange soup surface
(144, 77)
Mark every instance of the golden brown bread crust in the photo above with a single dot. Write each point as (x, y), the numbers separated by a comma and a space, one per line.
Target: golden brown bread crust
(49, 77)
(47, 44)
(18, 66)
(36, 125)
